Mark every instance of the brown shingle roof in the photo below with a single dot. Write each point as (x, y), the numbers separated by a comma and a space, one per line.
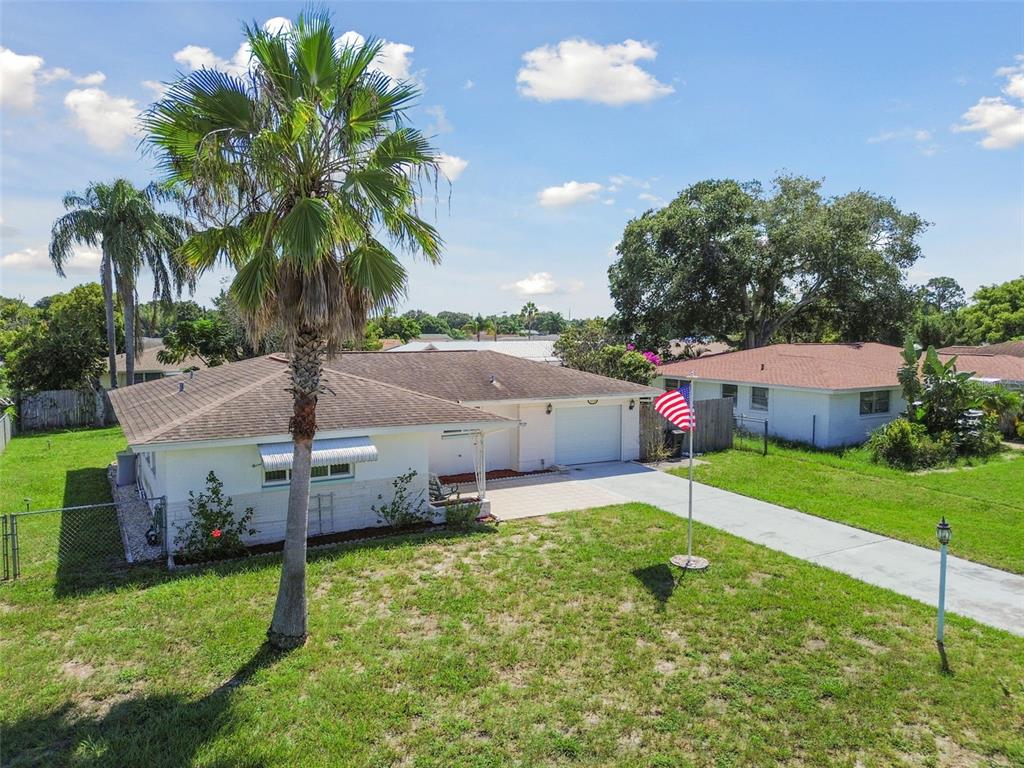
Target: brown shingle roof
(250, 399)
(146, 360)
(986, 366)
(815, 366)
(1014, 348)
(480, 375)
(827, 366)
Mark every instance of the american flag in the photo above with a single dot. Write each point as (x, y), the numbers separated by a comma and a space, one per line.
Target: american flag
(674, 405)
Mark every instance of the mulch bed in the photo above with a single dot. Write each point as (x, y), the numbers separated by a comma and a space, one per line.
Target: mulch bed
(358, 534)
(494, 474)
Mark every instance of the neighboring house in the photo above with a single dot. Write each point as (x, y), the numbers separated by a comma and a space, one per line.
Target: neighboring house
(379, 416)
(1012, 348)
(541, 351)
(827, 395)
(148, 367)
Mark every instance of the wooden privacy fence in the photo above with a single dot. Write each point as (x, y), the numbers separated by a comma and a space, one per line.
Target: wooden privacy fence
(713, 433)
(62, 408)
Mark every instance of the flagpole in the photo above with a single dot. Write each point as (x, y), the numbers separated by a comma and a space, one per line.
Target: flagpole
(689, 521)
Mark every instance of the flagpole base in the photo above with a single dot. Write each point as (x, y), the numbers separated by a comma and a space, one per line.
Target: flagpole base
(690, 562)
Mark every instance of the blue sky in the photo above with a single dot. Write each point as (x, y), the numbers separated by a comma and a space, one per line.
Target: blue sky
(921, 102)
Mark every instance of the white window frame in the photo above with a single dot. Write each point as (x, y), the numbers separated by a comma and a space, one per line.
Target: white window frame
(872, 396)
(754, 406)
(335, 472)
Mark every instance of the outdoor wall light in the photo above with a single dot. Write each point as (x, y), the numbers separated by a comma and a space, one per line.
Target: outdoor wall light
(548, 409)
(632, 404)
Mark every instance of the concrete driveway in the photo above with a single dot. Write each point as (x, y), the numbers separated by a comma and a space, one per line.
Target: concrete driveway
(986, 594)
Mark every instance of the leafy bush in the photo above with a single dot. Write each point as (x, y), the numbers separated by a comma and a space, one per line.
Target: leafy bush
(1020, 428)
(213, 532)
(404, 509)
(978, 434)
(461, 514)
(904, 445)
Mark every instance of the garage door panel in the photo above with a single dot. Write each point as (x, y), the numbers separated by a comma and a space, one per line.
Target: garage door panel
(586, 434)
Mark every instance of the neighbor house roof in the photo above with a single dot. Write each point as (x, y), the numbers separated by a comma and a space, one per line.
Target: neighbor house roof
(529, 349)
(251, 399)
(146, 360)
(827, 366)
(986, 366)
(1014, 348)
(481, 375)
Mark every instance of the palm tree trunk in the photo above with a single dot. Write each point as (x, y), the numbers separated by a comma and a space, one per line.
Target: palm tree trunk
(288, 627)
(107, 281)
(129, 336)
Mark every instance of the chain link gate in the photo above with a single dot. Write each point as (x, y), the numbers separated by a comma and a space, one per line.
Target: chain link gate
(75, 545)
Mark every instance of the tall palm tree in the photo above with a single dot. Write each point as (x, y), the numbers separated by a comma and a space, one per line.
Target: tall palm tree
(303, 175)
(131, 232)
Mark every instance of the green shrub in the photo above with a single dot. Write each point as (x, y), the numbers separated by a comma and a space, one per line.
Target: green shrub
(404, 509)
(213, 532)
(904, 445)
(461, 514)
(978, 434)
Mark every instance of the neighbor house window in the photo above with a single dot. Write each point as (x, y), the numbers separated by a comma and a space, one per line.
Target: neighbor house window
(876, 401)
(730, 390)
(671, 384)
(326, 472)
(139, 378)
(759, 398)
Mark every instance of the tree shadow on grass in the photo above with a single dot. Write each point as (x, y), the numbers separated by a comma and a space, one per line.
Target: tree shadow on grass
(658, 580)
(152, 731)
(90, 550)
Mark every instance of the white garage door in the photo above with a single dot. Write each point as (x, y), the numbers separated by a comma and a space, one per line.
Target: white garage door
(588, 433)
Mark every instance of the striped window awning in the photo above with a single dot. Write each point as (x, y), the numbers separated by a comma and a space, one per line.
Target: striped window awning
(342, 450)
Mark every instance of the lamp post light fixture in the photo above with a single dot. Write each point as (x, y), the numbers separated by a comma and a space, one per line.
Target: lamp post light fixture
(943, 533)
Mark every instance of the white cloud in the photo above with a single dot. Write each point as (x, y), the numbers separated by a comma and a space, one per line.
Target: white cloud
(158, 88)
(1001, 120)
(18, 79)
(570, 193)
(451, 166)
(468, 86)
(615, 183)
(587, 71)
(542, 284)
(441, 123)
(36, 259)
(920, 136)
(647, 197)
(394, 59)
(195, 57)
(107, 121)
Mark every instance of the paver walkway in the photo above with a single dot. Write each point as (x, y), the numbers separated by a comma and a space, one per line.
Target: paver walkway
(986, 594)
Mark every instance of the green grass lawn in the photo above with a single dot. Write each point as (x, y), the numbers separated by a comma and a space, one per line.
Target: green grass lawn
(984, 503)
(556, 641)
(63, 469)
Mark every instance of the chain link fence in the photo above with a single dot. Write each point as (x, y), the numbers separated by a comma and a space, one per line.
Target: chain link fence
(751, 434)
(75, 547)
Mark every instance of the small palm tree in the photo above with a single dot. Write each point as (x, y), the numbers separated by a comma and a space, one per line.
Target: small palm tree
(303, 176)
(132, 232)
(529, 314)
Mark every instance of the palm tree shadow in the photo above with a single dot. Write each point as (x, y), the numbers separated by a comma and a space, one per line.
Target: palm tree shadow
(658, 580)
(152, 731)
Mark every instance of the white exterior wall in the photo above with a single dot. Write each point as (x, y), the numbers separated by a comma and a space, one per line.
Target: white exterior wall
(827, 419)
(239, 468)
(848, 427)
(531, 447)
(455, 455)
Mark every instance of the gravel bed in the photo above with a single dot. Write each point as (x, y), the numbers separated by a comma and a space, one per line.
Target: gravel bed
(134, 518)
